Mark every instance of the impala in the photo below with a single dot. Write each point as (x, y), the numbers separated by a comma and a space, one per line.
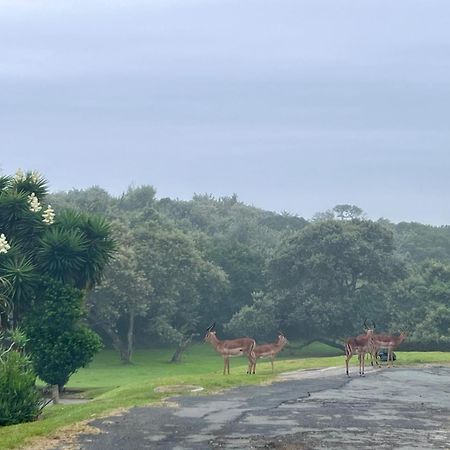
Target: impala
(388, 341)
(361, 345)
(230, 348)
(269, 351)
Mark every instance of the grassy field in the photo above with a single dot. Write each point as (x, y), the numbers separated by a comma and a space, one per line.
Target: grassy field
(112, 385)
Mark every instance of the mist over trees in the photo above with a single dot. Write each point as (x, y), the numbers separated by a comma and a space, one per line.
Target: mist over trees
(184, 264)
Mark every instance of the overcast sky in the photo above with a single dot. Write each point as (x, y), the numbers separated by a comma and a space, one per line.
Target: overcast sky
(293, 105)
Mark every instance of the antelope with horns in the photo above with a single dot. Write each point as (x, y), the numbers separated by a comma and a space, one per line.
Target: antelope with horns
(230, 348)
(388, 341)
(362, 344)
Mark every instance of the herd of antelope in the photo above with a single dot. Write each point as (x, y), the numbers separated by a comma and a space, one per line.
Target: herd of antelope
(244, 346)
(370, 344)
(362, 345)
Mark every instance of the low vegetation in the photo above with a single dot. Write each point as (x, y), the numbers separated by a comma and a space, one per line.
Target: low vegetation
(113, 385)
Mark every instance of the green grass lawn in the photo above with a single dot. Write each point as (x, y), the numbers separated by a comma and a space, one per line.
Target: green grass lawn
(113, 385)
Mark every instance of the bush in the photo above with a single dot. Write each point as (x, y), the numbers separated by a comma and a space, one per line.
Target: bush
(19, 398)
(60, 342)
(57, 359)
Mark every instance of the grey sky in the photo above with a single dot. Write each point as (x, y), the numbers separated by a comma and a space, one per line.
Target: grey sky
(294, 105)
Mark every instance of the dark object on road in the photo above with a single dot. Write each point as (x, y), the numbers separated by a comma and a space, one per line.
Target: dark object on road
(384, 356)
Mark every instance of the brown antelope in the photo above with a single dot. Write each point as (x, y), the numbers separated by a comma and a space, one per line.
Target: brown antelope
(388, 341)
(361, 345)
(269, 351)
(230, 348)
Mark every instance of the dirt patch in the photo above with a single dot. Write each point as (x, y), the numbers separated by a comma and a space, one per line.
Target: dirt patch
(64, 437)
(178, 388)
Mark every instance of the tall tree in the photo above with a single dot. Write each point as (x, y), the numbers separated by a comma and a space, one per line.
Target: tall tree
(36, 245)
(328, 276)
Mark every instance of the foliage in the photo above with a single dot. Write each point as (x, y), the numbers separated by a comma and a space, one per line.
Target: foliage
(329, 275)
(73, 248)
(124, 296)
(59, 341)
(316, 279)
(422, 306)
(258, 320)
(19, 398)
(419, 242)
(38, 246)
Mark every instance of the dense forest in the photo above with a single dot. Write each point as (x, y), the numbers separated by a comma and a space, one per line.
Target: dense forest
(181, 265)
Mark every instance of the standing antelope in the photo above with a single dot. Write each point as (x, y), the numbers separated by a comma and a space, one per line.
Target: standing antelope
(269, 350)
(388, 341)
(230, 348)
(361, 344)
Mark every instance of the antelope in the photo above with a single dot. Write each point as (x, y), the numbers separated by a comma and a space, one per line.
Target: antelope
(230, 348)
(388, 341)
(361, 344)
(269, 350)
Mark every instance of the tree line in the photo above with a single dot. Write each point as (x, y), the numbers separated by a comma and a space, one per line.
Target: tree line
(181, 265)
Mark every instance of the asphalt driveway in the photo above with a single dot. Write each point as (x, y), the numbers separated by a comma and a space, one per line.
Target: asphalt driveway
(388, 409)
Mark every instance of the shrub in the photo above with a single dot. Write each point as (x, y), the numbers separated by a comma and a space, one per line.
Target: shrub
(57, 359)
(60, 342)
(19, 398)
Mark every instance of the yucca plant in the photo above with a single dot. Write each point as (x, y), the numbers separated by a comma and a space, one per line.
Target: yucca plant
(20, 277)
(62, 254)
(38, 245)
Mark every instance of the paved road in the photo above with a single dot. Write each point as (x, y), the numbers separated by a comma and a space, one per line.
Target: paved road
(389, 408)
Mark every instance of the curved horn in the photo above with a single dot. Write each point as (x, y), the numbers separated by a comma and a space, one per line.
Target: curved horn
(373, 323)
(280, 333)
(365, 324)
(211, 327)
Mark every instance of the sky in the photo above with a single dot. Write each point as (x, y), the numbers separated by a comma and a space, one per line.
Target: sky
(293, 105)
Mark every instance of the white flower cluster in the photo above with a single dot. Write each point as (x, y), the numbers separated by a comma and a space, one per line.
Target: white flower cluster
(49, 215)
(20, 175)
(4, 246)
(35, 176)
(33, 201)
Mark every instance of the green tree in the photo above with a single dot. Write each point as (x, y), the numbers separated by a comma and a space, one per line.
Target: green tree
(60, 341)
(71, 248)
(124, 295)
(330, 275)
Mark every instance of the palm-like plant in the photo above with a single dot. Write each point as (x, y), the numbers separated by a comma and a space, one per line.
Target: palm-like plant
(5, 302)
(98, 245)
(62, 254)
(20, 277)
(29, 182)
(74, 250)
(99, 251)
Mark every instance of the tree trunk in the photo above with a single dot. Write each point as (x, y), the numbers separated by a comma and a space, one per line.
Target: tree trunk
(121, 347)
(117, 343)
(182, 346)
(130, 337)
(55, 393)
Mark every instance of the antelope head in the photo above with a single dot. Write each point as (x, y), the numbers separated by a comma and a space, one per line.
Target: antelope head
(210, 332)
(282, 339)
